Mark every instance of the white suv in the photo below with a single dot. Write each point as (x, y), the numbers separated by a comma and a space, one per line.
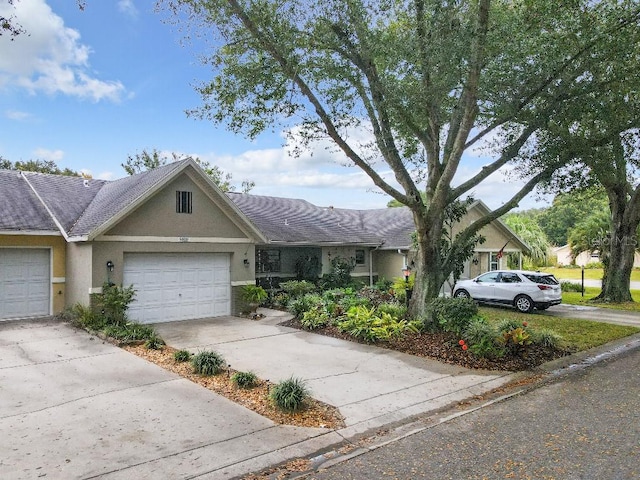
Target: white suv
(522, 289)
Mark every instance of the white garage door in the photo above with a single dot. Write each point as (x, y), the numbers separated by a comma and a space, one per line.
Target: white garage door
(25, 282)
(178, 286)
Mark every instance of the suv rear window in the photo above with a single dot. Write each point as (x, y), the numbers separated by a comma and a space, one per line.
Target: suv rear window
(543, 279)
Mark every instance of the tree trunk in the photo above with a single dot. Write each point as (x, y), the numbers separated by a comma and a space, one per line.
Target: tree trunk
(619, 256)
(430, 275)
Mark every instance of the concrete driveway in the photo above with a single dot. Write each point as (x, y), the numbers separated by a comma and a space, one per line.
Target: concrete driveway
(72, 406)
(371, 386)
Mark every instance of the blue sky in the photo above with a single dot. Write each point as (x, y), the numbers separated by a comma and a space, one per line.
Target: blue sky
(89, 88)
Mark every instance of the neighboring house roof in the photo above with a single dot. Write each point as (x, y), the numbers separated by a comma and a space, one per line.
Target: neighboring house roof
(295, 221)
(82, 209)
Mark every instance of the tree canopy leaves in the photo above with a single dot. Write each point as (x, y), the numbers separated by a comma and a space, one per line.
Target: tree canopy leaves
(143, 161)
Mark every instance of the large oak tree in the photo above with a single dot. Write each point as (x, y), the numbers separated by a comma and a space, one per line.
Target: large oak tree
(427, 79)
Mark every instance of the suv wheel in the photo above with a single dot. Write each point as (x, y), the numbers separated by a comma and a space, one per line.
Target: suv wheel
(461, 294)
(523, 304)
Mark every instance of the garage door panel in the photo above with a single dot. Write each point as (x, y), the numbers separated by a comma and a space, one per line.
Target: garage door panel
(25, 282)
(178, 286)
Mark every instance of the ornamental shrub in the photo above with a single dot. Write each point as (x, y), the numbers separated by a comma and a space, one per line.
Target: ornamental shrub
(244, 379)
(546, 338)
(369, 325)
(570, 286)
(451, 314)
(289, 395)
(315, 318)
(208, 362)
(299, 305)
(182, 355)
(297, 288)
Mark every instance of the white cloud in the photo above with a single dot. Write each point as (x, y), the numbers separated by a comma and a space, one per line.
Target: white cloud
(45, 154)
(128, 8)
(17, 115)
(49, 58)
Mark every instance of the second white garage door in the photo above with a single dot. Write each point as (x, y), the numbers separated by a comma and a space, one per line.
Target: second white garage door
(178, 286)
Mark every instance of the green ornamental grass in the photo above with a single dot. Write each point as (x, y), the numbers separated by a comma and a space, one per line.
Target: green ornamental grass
(208, 362)
(289, 395)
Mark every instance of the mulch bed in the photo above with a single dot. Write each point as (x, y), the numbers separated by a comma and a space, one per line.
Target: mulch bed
(314, 414)
(444, 347)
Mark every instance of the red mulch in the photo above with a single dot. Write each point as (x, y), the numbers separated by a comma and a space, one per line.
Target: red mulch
(444, 347)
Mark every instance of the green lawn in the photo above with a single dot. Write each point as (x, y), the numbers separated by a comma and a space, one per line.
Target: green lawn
(576, 298)
(589, 273)
(577, 334)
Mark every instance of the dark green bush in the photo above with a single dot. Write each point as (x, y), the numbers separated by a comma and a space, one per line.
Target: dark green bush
(85, 317)
(340, 273)
(299, 305)
(182, 355)
(154, 342)
(483, 339)
(451, 314)
(297, 288)
(244, 379)
(114, 302)
(129, 332)
(289, 395)
(570, 286)
(375, 296)
(208, 362)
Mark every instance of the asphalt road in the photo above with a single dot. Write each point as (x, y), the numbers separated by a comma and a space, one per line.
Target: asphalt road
(584, 425)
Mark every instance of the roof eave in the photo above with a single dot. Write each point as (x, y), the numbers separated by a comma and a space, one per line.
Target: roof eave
(48, 233)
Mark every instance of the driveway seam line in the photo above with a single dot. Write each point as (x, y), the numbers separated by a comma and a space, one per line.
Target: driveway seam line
(241, 340)
(57, 361)
(421, 384)
(259, 455)
(91, 396)
(182, 452)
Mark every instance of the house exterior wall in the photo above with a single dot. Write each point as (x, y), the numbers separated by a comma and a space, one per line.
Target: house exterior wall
(56, 244)
(79, 271)
(388, 264)
(158, 217)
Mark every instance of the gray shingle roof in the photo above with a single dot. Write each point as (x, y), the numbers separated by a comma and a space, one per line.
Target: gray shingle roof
(66, 197)
(287, 220)
(20, 209)
(117, 195)
(82, 206)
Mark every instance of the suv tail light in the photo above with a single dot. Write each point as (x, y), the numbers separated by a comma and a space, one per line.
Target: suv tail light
(545, 287)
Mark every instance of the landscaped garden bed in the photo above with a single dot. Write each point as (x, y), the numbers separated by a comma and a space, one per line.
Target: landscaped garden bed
(312, 414)
(445, 347)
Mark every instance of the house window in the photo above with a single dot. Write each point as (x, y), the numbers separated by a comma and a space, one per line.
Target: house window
(184, 202)
(493, 261)
(267, 261)
(359, 257)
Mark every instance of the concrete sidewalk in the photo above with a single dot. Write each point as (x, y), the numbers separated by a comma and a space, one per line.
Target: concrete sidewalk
(371, 386)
